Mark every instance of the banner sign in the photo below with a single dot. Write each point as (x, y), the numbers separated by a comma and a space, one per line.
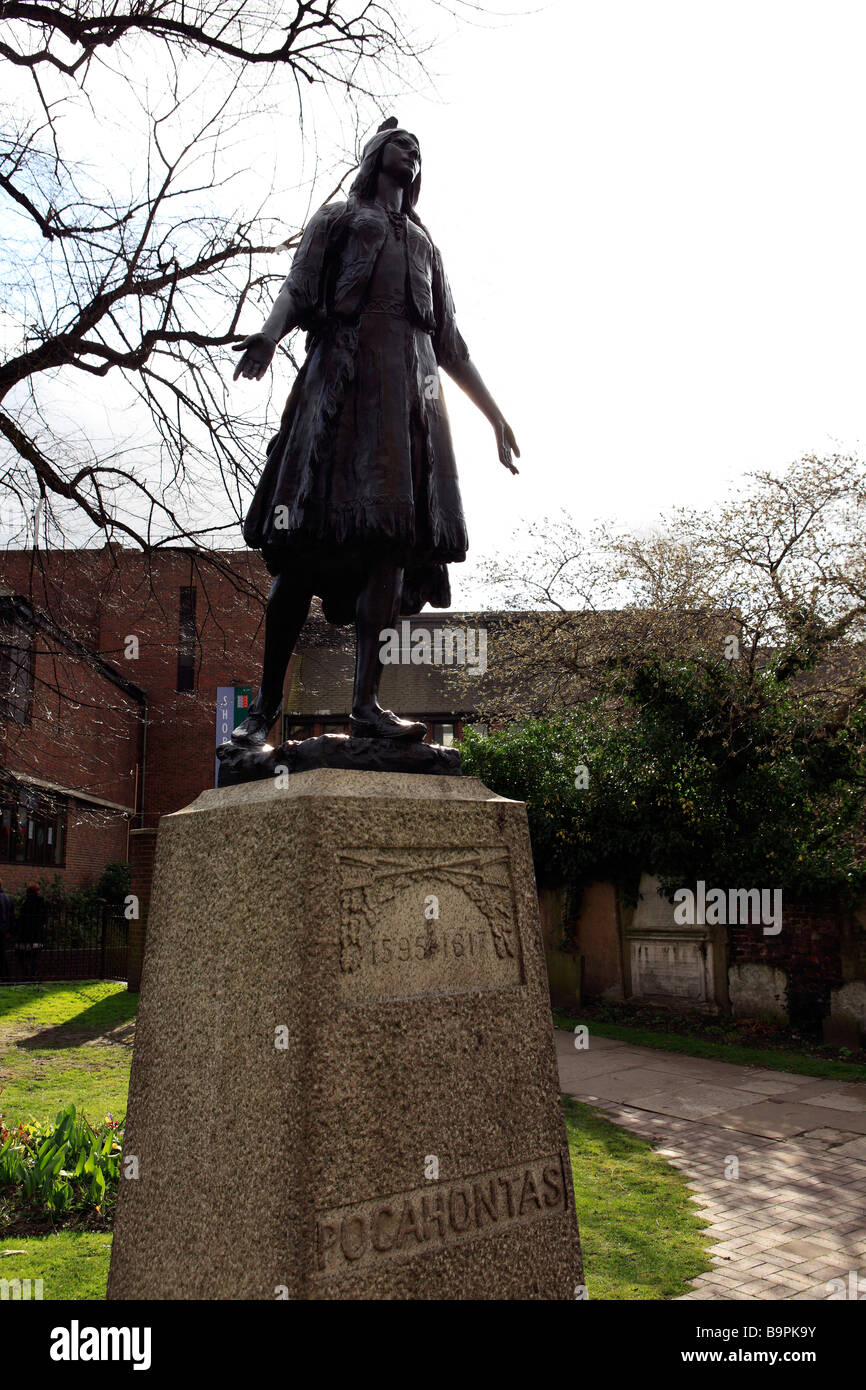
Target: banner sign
(232, 705)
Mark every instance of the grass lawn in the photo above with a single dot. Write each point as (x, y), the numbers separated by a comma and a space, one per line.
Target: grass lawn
(640, 1233)
(774, 1058)
(62, 1042)
(642, 1238)
(71, 1264)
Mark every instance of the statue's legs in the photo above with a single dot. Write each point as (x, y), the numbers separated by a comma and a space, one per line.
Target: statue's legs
(288, 605)
(285, 615)
(376, 608)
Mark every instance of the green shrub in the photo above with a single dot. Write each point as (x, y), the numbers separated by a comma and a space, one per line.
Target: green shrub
(689, 770)
(111, 887)
(67, 1169)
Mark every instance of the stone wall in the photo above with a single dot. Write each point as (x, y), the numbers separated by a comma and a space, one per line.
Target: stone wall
(582, 943)
(671, 962)
(807, 950)
(813, 973)
(758, 991)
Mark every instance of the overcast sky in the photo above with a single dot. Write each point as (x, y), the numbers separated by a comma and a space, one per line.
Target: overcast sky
(652, 216)
(652, 219)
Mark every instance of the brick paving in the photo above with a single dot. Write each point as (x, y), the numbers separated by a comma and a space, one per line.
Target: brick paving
(776, 1162)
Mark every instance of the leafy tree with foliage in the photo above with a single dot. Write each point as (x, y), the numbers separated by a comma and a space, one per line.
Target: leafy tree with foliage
(775, 569)
(710, 677)
(689, 770)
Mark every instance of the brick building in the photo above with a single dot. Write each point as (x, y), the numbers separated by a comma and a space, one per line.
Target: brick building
(109, 679)
(69, 751)
(110, 674)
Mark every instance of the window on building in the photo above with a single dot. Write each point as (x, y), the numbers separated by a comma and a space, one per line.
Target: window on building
(32, 826)
(186, 638)
(442, 734)
(16, 669)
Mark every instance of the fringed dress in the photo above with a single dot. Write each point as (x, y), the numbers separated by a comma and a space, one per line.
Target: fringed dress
(363, 465)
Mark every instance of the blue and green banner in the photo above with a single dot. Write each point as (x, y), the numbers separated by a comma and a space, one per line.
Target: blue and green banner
(232, 706)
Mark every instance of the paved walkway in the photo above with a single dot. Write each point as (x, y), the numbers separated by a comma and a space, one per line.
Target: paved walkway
(795, 1215)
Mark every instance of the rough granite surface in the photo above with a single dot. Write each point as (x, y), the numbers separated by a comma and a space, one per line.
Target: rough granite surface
(336, 1093)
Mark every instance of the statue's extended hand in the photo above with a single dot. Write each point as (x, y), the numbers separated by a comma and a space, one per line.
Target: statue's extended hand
(258, 352)
(506, 444)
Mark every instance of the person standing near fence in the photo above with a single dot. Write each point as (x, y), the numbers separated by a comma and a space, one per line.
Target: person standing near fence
(7, 922)
(31, 928)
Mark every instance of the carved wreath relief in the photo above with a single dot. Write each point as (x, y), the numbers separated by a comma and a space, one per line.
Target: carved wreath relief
(418, 921)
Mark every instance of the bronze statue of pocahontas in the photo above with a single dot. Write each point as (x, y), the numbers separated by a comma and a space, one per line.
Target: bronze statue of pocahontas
(359, 501)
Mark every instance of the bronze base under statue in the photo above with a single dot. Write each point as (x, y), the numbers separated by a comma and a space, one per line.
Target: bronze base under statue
(239, 764)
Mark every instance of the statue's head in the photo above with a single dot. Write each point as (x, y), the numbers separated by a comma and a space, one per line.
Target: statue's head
(393, 151)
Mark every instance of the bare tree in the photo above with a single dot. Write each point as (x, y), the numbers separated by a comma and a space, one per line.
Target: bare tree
(785, 553)
(131, 260)
(317, 40)
(775, 571)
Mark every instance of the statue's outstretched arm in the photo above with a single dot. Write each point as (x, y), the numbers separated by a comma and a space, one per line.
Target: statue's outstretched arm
(467, 376)
(258, 350)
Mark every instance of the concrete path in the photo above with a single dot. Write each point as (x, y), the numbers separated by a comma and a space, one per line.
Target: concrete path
(776, 1161)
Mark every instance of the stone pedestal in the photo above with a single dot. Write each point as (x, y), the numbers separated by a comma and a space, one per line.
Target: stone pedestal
(344, 1082)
